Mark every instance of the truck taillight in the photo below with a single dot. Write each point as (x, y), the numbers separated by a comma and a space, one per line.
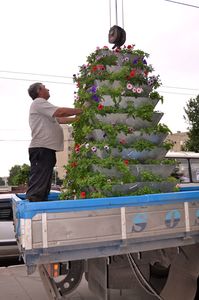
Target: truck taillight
(53, 269)
(56, 270)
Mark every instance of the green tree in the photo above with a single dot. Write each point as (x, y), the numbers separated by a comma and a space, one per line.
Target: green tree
(19, 175)
(2, 182)
(192, 118)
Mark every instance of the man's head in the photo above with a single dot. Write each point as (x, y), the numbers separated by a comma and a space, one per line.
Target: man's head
(38, 90)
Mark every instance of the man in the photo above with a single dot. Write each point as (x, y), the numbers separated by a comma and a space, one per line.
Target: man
(47, 138)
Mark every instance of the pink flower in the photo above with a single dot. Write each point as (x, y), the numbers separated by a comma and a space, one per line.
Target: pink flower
(134, 90)
(139, 90)
(129, 86)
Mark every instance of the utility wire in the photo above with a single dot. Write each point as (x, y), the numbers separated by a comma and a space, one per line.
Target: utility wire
(179, 88)
(72, 83)
(25, 79)
(68, 77)
(175, 93)
(181, 3)
(36, 74)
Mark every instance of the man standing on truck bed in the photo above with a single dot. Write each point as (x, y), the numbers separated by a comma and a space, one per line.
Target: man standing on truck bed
(47, 138)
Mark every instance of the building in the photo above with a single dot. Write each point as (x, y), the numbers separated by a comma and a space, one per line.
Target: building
(64, 156)
(179, 138)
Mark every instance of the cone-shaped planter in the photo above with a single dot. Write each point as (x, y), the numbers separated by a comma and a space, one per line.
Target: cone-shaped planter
(118, 95)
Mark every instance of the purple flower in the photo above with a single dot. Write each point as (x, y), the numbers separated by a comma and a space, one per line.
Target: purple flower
(93, 89)
(144, 61)
(135, 61)
(96, 98)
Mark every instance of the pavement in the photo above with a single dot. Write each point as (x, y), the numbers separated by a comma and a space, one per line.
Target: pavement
(15, 284)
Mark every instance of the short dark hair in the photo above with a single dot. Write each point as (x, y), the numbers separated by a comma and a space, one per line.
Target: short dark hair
(33, 90)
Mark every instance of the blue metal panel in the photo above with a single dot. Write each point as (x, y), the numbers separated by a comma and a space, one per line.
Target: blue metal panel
(26, 209)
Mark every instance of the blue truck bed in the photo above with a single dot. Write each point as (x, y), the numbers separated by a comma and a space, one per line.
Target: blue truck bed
(62, 230)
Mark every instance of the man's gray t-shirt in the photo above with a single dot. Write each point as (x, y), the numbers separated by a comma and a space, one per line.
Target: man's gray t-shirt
(45, 130)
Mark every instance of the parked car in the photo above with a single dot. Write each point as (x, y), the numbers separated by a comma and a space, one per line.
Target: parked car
(8, 244)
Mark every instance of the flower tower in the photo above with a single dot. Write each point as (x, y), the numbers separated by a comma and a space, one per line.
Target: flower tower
(119, 143)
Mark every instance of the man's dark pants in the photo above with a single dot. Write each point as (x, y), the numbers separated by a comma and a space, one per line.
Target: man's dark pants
(42, 162)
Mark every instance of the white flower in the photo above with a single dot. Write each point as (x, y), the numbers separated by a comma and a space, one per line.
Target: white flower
(94, 149)
(87, 146)
(106, 147)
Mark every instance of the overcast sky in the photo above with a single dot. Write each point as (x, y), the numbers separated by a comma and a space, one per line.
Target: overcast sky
(54, 37)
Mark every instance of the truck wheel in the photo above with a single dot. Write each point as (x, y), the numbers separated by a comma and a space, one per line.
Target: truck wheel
(68, 282)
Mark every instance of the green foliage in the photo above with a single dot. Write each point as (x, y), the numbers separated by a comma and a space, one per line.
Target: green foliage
(19, 175)
(192, 117)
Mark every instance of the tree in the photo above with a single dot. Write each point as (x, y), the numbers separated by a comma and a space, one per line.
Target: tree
(2, 182)
(192, 118)
(19, 175)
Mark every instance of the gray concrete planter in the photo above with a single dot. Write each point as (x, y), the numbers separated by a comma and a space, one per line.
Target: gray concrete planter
(130, 153)
(162, 187)
(160, 170)
(126, 101)
(99, 135)
(116, 84)
(135, 123)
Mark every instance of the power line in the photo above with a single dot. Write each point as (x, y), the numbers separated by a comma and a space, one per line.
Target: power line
(70, 83)
(68, 77)
(175, 93)
(179, 88)
(32, 80)
(36, 74)
(181, 3)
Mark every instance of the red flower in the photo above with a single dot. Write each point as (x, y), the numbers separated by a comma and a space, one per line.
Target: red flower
(94, 68)
(100, 67)
(74, 164)
(132, 73)
(83, 195)
(100, 107)
(126, 162)
(77, 148)
(123, 141)
(129, 46)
